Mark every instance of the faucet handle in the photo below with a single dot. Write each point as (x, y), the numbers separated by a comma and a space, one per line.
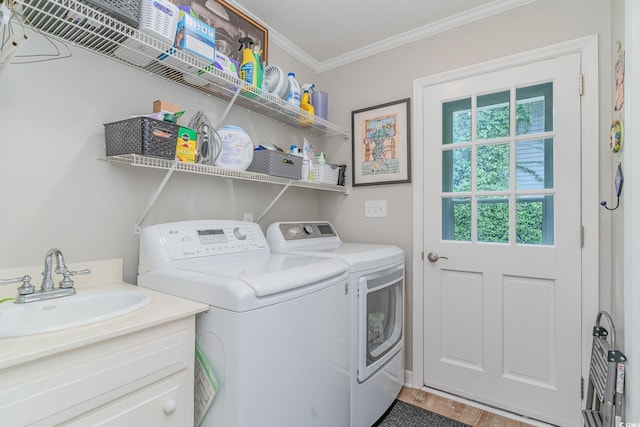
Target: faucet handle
(66, 282)
(26, 288)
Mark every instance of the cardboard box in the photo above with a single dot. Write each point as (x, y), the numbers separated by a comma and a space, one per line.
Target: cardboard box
(165, 107)
(186, 145)
(196, 37)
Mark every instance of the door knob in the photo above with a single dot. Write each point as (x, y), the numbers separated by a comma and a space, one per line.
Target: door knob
(434, 257)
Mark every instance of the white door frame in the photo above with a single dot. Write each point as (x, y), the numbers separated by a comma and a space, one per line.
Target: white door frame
(631, 209)
(588, 48)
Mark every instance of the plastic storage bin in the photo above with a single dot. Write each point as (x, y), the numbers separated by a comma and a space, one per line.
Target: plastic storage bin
(143, 136)
(276, 163)
(326, 174)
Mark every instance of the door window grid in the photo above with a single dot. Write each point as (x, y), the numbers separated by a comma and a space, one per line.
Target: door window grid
(499, 172)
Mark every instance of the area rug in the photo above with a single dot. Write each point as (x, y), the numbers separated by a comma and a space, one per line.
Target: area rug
(402, 414)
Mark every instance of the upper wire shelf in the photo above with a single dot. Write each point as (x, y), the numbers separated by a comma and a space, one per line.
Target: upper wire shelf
(84, 26)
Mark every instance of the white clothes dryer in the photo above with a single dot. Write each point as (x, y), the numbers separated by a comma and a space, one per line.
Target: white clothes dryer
(276, 330)
(376, 286)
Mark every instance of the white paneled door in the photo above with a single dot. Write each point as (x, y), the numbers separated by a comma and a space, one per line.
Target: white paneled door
(502, 230)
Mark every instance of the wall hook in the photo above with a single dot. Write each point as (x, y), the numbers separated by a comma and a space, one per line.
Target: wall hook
(619, 181)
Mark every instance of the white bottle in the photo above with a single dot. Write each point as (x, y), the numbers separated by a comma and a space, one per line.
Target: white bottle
(305, 166)
(293, 95)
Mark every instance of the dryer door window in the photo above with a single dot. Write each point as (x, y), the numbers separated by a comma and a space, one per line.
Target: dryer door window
(381, 302)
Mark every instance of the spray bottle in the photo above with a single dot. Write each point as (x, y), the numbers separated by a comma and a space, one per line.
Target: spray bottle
(305, 104)
(248, 66)
(259, 68)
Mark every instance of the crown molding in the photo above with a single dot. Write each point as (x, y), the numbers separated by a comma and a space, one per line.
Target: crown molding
(466, 17)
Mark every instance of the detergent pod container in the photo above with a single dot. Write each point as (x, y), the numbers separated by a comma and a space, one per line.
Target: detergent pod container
(237, 148)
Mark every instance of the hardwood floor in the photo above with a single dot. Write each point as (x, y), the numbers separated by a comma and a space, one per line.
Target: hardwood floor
(458, 411)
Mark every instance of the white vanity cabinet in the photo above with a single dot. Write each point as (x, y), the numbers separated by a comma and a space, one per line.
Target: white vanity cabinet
(144, 378)
(132, 370)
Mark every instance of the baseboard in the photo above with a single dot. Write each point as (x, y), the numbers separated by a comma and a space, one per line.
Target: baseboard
(408, 379)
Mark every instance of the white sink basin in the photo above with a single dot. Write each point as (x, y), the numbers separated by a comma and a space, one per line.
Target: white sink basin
(85, 307)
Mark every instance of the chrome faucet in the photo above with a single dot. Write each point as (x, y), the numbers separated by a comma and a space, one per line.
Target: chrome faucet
(47, 281)
(27, 292)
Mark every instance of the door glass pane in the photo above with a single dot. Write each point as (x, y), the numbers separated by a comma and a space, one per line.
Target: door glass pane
(493, 116)
(493, 219)
(493, 167)
(456, 121)
(534, 164)
(534, 109)
(534, 220)
(456, 170)
(456, 218)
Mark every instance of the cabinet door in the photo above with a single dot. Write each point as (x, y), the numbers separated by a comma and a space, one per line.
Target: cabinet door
(162, 404)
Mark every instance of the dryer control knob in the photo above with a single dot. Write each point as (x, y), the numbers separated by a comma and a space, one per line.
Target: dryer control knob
(239, 234)
(308, 229)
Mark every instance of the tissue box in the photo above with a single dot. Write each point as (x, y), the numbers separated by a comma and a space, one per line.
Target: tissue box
(196, 37)
(276, 163)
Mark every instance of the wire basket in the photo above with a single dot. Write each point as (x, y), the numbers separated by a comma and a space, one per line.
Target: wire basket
(143, 136)
(127, 11)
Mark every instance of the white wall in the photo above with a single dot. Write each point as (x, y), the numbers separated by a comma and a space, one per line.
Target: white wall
(389, 76)
(55, 193)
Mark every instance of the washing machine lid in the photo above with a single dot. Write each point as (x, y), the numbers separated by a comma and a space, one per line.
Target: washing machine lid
(273, 273)
(244, 285)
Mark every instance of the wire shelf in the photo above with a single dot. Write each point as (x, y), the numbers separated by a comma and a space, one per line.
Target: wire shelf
(82, 25)
(157, 163)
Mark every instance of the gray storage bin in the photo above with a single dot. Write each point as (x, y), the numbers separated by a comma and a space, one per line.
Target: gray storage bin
(276, 163)
(143, 136)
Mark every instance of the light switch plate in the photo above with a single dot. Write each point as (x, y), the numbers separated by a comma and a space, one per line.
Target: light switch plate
(375, 208)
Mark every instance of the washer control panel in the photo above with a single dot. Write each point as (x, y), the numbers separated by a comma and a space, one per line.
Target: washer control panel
(197, 239)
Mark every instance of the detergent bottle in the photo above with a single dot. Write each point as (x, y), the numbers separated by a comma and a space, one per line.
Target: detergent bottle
(293, 95)
(248, 66)
(306, 105)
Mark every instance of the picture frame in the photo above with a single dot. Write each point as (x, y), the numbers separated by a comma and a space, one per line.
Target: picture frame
(381, 144)
(230, 24)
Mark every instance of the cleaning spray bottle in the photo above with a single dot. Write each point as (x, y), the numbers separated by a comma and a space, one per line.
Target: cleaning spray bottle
(248, 66)
(259, 68)
(305, 104)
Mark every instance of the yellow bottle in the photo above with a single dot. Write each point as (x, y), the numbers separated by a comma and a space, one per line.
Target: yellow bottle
(305, 104)
(248, 66)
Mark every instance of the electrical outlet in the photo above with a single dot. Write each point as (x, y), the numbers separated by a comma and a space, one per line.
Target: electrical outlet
(247, 217)
(375, 208)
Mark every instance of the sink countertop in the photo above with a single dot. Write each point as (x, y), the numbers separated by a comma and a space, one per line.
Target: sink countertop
(104, 274)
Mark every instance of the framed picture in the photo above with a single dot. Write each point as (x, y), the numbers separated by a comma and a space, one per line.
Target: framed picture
(382, 144)
(230, 25)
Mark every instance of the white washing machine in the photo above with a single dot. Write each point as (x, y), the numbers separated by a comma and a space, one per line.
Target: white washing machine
(276, 332)
(376, 282)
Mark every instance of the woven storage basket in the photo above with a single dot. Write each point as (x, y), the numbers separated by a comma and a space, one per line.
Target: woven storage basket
(276, 163)
(143, 136)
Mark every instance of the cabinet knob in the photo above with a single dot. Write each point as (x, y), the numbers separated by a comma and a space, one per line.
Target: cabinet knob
(170, 407)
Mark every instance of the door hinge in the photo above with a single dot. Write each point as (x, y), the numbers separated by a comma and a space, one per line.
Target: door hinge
(581, 388)
(581, 84)
(581, 236)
